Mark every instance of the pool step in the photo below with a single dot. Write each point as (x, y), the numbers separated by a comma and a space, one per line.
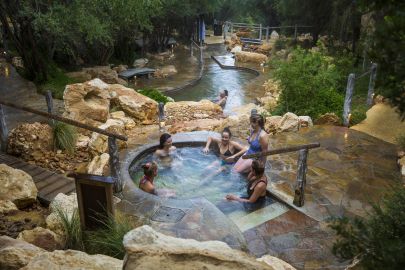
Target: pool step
(254, 219)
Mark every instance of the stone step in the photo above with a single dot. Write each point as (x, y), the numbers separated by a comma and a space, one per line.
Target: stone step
(254, 219)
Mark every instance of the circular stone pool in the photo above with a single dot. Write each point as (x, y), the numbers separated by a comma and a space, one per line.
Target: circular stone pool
(191, 173)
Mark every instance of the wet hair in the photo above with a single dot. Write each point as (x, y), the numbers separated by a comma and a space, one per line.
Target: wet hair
(163, 138)
(258, 167)
(149, 168)
(257, 118)
(227, 130)
(226, 92)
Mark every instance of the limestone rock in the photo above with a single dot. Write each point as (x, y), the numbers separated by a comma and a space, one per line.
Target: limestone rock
(104, 73)
(99, 143)
(265, 48)
(305, 121)
(142, 109)
(191, 110)
(195, 125)
(28, 138)
(289, 122)
(236, 49)
(140, 63)
(165, 71)
(42, 238)
(276, 263)
(72, 259)
(274, 35)
(15, 254)
(82, 141)
(79, 75)
(148, 249)
(129, 123)
(87, 102)
(17, 186)
(120, 68)
(257, 58)
(272, 124)
(99, 165)
(68, 205)
(328, 119)
(7, 206)
(269, 102)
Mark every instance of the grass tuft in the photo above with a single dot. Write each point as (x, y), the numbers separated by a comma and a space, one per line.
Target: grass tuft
(71, 226)
(64, 136)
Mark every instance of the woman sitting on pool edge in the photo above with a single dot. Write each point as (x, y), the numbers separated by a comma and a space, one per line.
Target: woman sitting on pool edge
(150, 171)
(229, 150)
(258, 141)
(165, 146)
(257, 186)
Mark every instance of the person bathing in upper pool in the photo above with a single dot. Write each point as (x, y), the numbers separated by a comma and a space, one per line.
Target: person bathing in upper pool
(258, 142)
(150, 171)
(257, 186)
(223, 97)
(166, 147)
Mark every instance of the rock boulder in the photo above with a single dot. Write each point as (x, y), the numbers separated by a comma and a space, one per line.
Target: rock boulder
(42, 238)
(15, 254)
(191, 110)
(148, 249)
(72, 259)
(99, 143)
(17, 186)
(328, 119)
(142, 109)
(99, 165)
(87, 102)
(289, 122)
(7, 206)
(252, 57)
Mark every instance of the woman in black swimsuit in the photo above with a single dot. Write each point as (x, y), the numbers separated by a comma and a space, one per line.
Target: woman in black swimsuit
(229, 150)
(257, 186)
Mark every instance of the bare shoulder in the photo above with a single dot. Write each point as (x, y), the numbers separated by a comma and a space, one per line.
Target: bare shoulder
(172, 148)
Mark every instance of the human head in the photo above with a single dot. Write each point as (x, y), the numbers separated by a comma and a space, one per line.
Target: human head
(226, 134)
(150, 169)
(257, 119)
(165, 140)
(223, 93)
(258, 167)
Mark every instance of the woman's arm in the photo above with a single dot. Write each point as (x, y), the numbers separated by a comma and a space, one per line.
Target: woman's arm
(264, 143)
(207, 146)
(149, 187)
(240, 148)
(256, 194)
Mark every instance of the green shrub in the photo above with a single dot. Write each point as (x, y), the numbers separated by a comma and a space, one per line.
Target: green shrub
(400, 140)
(378, 240)
(108, 241)
(154, 94)
(310, 84)
(64, 136)
(56, 83)
(72, 228)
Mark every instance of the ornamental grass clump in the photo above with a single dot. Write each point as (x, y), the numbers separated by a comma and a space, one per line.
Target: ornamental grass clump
(108, 241)
(72, 228)
(64, 137)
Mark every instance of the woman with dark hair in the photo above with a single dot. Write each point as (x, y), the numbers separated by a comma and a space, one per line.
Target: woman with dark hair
(223, 97)
(257, 186)
(258, 141)
(165, 146)
(150, 170)
(229, 150)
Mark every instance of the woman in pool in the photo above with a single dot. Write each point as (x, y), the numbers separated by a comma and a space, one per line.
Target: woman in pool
(258, 141)
(223, 97)
(165, 146)
(229, 150)
(150, 171)
(257, 185)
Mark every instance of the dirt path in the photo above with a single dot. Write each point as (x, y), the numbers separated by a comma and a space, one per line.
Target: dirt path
(382, 122)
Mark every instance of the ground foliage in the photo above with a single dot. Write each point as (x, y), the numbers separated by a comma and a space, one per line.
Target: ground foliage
(312, 83)
(154, 94)
(378, 241)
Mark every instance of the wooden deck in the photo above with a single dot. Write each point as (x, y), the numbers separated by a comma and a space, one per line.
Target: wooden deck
(49, 184)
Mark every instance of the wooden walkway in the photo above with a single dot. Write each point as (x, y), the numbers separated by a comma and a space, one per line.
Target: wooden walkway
(49, 184)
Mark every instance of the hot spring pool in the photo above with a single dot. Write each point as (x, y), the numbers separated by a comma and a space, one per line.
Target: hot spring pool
(188, 173)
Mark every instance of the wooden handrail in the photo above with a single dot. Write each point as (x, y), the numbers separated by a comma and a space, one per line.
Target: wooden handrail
(65, 120)
(282, 150)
